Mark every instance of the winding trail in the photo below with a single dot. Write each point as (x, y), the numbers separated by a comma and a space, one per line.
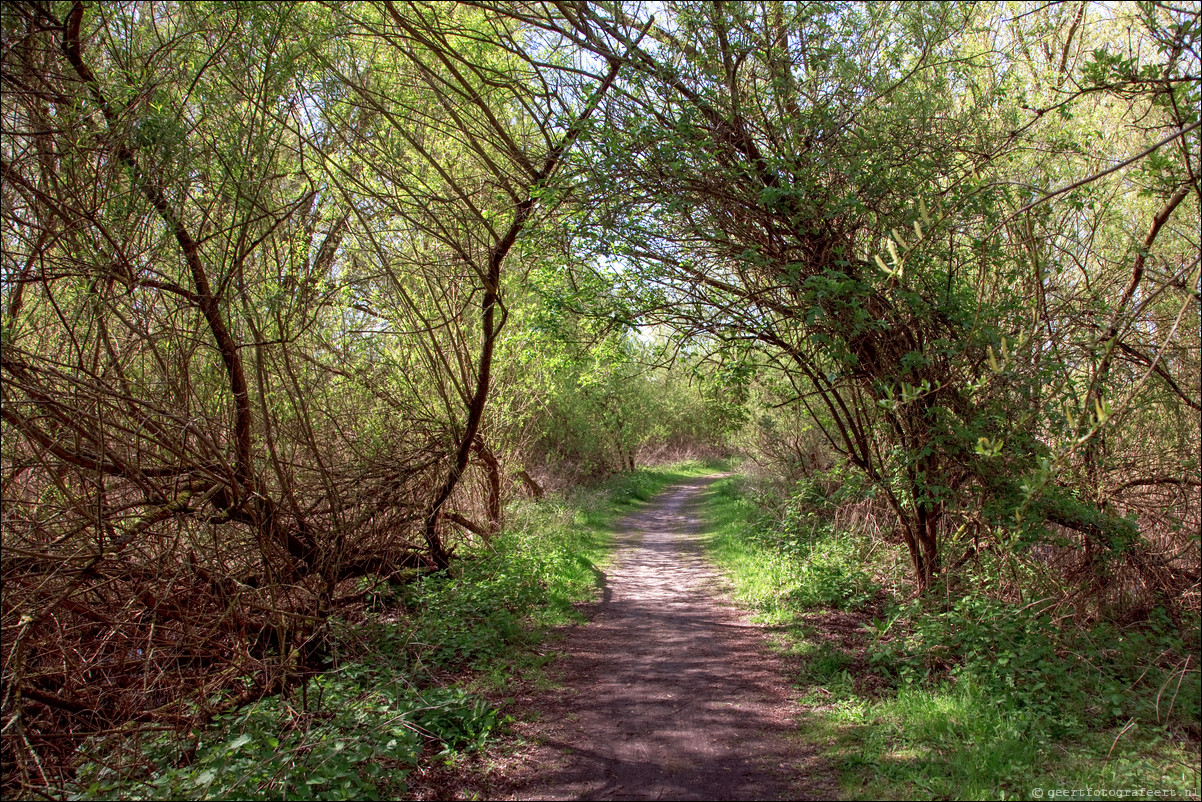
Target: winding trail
(670, 693)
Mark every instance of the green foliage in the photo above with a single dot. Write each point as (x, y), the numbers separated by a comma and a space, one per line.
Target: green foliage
(952, 742)
(354, 733)
(1068, 679)
(456, 719)
(358, 730)
(466, 616)
(996, 700)
(785, 569)
(357, 740)
(975, 698)
(595, 396)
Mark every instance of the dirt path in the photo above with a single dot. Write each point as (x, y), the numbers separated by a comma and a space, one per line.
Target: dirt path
(670, 693)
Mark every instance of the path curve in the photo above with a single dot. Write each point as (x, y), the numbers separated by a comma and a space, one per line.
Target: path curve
(670, 692)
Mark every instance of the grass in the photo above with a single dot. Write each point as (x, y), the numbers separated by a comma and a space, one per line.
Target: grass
(555, 551)
(412, 674)
(965, 700)
(775, 575)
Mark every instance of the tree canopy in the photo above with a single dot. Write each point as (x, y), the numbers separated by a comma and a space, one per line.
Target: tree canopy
(295, 294)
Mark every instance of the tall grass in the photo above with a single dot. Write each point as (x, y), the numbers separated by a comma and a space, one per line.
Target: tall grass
(777, 572)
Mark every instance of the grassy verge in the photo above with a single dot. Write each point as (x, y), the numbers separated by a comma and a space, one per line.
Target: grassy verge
(412, 666)
(959, 699)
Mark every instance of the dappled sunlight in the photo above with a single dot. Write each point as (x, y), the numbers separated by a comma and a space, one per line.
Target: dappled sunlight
(671, 695)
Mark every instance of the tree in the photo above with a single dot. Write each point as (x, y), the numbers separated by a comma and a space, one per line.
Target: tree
(245, 247)
(834, 183)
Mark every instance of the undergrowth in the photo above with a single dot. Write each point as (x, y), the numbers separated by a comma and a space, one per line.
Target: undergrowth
(409, 669)
(782, 570)
(966, 696)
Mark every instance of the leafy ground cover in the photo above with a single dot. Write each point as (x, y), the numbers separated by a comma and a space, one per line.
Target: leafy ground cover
(413, 670)
(966, 696)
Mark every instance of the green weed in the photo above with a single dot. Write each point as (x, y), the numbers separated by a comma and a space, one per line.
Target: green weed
(358, 740)
(974, 698)
(776, 570)
(359, 730)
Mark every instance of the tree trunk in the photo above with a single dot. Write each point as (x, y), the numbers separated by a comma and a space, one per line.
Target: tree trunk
(489, 325)
(493, 505)
(536, 490)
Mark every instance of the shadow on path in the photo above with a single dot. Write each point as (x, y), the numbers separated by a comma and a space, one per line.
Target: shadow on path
(670, 692)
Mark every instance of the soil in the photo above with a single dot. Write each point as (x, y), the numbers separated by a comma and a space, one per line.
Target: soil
(668, 692)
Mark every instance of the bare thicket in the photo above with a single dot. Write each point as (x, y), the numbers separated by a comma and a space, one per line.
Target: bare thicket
(253, 281)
